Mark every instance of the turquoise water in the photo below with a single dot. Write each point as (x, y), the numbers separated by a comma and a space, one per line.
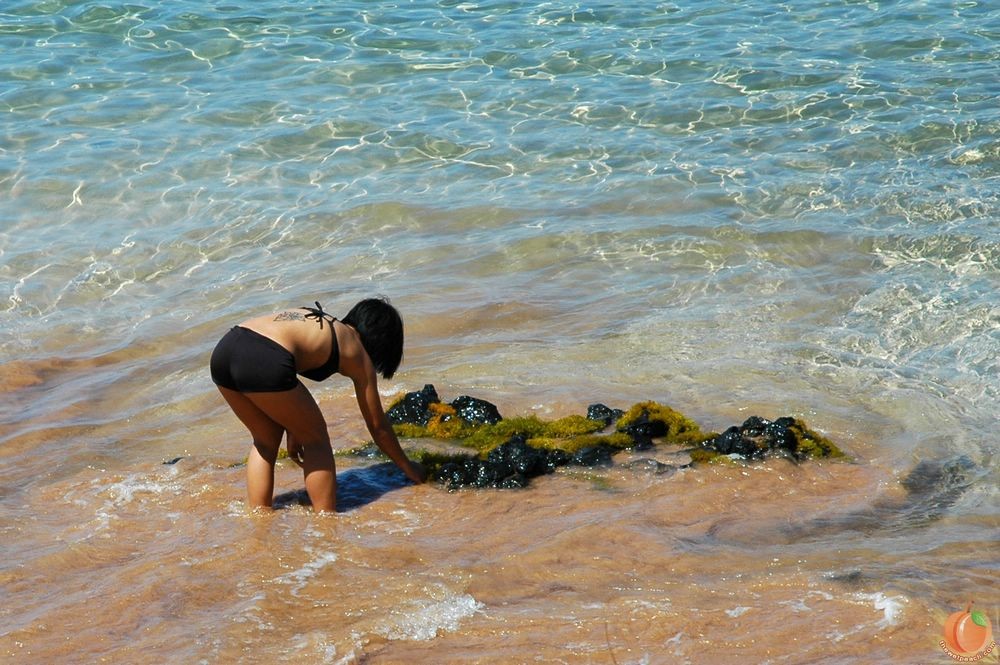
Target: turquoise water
(784, 208)
(814, 181)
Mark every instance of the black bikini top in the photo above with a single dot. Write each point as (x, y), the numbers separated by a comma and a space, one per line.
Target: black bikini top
(332, 364)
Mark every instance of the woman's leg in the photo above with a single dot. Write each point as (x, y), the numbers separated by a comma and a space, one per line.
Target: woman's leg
(266, 435)
(297, 413)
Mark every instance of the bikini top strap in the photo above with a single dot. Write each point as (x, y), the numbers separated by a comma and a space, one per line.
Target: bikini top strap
(318, 314)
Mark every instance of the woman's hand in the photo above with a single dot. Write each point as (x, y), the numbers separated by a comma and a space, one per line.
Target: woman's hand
(419, 473)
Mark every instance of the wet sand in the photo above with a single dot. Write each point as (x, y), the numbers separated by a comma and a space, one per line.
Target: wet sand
(137, 560)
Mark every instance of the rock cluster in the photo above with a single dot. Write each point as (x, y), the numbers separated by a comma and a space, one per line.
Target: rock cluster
(511, 451)
(758, 438)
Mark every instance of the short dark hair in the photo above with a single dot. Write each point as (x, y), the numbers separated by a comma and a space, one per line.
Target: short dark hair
(381, 330)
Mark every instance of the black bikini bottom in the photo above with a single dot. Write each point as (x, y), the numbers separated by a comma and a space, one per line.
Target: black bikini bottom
(247, 361)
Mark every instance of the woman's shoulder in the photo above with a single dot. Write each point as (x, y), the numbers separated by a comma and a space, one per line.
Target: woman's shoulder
(348, 339)
(354, 359)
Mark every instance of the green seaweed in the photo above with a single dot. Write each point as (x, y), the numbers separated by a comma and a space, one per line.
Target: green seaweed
(642, 422)
(433, 461)
(445, 423)
(709, 456)
(704, 455)
(569, 434)
(574, 444)
(811, 444)
(680, 430)
(411, 431)
(572, 426)
(488, 437)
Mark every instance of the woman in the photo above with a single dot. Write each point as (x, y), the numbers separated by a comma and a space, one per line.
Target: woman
(255, 366)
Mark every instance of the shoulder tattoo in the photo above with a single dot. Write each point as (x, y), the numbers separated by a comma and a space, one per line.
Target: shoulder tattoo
(290, 316)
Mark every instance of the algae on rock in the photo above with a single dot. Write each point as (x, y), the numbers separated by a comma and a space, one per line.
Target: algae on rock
(650, 420)
(758, 437)
(512, 450)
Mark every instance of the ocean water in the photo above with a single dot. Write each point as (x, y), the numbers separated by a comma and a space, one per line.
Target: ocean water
(766, 208)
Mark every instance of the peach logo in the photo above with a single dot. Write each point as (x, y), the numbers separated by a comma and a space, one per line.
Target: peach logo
(968, 636)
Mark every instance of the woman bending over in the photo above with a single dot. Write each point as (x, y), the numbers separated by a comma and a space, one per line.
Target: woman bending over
(255, 365)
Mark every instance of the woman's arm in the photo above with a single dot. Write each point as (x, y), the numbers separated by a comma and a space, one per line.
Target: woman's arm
(370, 403)
(357, 366)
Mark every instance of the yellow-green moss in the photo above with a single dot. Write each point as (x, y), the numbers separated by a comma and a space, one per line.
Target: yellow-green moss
(709, 456)
(442, 410)
(488, 437)
(681, 430)
(556, 433)
(433, 462)
(811, 444)
(574, 433)
(572, 426)
(410, 431)
(445, 422)
(703, 455)
(575, 444)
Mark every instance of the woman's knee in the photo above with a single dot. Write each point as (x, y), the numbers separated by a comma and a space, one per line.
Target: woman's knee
(307, 434)
(267, 448)
(318, 456)
(317, 441)
(316, 449)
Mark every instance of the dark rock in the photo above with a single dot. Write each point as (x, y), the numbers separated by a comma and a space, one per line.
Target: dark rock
(414, 408)
(757, 437)
(940, 478)
(604, 413)
(455, 474)
(173, 461)
(517, 455)
(641, 441)
(933, 487)
(733, 442)
(510, 465)
(474, 410)
(643, 430)
(514, 481)
(558, 458)
(599, 455)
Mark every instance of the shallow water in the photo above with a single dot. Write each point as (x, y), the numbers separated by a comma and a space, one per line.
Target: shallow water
(786, 210)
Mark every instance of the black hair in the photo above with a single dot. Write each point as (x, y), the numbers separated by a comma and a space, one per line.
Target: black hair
(381, 330)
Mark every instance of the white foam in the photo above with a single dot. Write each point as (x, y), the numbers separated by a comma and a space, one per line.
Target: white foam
(133, 488)
(300, 577)
(422, 619)
(125, 491)
(236, 508)
(316, 643)
(676, 642)
(796, 605)
(738, 611)
(890, 606)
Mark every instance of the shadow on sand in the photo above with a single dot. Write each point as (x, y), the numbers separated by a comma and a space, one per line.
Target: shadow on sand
(355, 487)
